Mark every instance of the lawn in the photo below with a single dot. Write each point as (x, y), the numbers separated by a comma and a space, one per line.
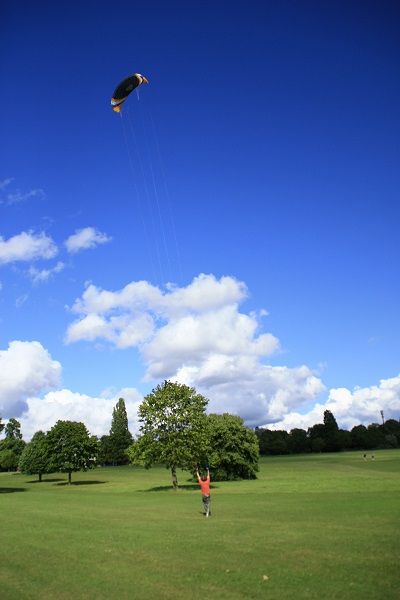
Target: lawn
(311, 526)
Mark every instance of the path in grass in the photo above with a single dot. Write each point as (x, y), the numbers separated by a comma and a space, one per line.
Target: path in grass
(323, 527)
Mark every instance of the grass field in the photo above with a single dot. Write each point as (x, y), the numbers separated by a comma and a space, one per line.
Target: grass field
(317, 526)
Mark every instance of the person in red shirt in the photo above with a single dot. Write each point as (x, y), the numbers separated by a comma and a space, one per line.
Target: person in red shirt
(205, 491)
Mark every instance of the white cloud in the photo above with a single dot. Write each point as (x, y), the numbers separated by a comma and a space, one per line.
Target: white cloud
(26, 368)
(42, 275)
(198, 335)
(26, 246)
(95, 413)
(16, 196)
(361, 406)
(84, 239)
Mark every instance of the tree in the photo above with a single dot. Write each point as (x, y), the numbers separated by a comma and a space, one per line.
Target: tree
(8, 460)
(234, 450)
(13, 445)
(331, 435)
(13, 430)
(298, 441)
(105, 456)
(35, 459)
(359, 438)
(173, 428)
(391, 427)
(120, 438)
(272, 442)
(71, 448)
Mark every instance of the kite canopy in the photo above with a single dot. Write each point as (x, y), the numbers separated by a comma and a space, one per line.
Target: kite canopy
(124, 88)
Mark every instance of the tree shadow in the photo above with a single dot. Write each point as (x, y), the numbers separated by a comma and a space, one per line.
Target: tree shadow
(12, 490)
(168, 488)
(78, 483)
(48, 480)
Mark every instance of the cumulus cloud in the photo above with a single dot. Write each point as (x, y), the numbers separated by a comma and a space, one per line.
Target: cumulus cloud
(351, 408)
(95, 413)
(26, 369)
(197, 335)
(26, 246)
(84, 239)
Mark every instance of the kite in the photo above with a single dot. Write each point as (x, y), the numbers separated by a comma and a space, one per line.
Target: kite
(124, 88)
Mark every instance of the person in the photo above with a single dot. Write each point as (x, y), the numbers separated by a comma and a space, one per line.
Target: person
(204, 482)
(373, 456)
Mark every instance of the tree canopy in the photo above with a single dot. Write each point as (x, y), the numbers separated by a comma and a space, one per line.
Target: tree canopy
(172, 430)
(71, 448)
(234, 450)
(35, 459)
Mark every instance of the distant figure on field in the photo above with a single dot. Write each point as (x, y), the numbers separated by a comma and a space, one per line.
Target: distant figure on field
(373, 456)
(205, 491)
(365, 457)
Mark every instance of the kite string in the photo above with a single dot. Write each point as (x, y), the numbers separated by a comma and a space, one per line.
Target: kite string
(167, 195)
(138, 196)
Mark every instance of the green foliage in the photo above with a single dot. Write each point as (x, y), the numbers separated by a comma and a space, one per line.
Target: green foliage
(272, 442)
(173, 428)
(120, 438)
(11, 446)
(13, 430)
(8, 460)
(298, 441)
(35, 459)
(234, 450)
(71, 448)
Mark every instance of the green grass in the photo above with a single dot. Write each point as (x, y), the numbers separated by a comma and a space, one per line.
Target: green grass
(322, 527)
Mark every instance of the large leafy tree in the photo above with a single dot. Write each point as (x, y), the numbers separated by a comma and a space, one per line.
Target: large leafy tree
(234, 450)
(71, 448)
(120, 437)
(172, 430)
(35, 459)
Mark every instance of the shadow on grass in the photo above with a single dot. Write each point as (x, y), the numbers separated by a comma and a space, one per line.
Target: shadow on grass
(168, 488)
(77, 483)
(11, 490)
(48, 480)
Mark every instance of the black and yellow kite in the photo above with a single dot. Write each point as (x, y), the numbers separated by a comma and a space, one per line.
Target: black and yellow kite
(124, 88)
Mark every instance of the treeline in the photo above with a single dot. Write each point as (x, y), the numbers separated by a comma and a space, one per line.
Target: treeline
(327, 437)
(66, 448)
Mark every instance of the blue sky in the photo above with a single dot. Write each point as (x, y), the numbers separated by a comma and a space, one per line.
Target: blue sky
(235, 229)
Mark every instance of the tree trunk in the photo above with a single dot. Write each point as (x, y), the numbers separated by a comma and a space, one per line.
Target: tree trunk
(174, 478)
(69, 477)
(40, 477)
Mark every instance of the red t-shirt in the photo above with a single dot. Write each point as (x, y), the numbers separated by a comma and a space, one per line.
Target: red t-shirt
(205, 486)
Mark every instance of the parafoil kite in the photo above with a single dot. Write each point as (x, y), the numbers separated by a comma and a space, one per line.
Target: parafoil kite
(124, 88)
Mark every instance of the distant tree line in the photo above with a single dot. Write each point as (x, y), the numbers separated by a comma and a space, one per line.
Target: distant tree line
(175, 431)
(327, 437)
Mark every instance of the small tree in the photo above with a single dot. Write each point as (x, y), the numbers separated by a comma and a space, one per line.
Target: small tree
(120, 438)
(13, 444)
(173, 428)
(234, 449)
(35, 459)
(71, 448)
(8, 460)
